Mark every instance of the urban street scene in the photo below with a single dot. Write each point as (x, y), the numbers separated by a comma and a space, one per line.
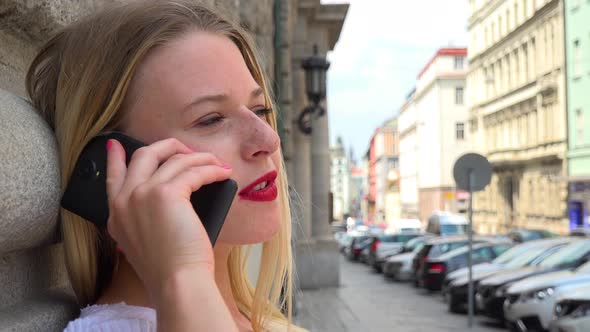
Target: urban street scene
(295, 165)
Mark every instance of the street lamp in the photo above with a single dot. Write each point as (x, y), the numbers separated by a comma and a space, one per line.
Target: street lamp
(315, 68)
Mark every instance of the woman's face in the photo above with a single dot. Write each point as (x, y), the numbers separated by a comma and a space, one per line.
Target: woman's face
(199, 90)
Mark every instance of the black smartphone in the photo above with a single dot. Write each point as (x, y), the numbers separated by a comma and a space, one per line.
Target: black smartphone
(86, 193)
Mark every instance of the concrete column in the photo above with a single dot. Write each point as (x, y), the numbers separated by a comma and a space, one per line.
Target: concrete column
(320, 165)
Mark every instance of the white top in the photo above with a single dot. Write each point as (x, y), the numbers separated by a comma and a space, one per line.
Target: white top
(114, 318)
(121, 317)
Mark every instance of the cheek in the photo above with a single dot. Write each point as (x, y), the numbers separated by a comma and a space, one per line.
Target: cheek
(249, 223)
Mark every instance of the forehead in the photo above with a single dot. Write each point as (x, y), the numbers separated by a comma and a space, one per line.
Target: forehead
(197, 63)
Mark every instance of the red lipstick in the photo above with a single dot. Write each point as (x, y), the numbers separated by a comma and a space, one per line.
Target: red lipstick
(263, 189)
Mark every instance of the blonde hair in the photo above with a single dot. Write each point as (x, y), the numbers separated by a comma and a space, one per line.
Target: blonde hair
(79, 82)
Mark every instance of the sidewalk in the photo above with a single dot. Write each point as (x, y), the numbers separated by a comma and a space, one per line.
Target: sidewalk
(367, 302)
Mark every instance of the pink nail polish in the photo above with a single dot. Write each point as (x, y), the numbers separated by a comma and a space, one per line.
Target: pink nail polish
(109, 144)
(226, 166)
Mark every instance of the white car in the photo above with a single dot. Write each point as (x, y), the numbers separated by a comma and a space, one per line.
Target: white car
(530, 302)
(399, 267)
(572, 311)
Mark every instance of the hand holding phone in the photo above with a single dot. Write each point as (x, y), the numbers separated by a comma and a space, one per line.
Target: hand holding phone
(86, 193)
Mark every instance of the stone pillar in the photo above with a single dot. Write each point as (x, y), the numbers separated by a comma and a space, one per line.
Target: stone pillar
(320, 177)
(317, 257)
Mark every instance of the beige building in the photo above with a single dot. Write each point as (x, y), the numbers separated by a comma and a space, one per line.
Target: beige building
(432, 126)
(34, 292)
(517, 112)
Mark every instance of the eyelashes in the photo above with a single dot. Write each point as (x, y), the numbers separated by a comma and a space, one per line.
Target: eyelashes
(262, 113)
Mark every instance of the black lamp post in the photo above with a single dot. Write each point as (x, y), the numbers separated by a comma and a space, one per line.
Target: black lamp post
(315, 68)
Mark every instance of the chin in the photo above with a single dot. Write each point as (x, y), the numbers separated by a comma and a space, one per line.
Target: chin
(250, 227)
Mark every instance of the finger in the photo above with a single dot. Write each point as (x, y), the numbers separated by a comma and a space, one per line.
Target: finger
(194, 178)
(146, 160)
(116, 172)
(116, 168)
(180, 163)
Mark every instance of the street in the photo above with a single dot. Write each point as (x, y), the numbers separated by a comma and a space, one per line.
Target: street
(365, 301)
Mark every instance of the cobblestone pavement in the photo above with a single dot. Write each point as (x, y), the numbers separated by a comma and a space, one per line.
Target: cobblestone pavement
(365, 301)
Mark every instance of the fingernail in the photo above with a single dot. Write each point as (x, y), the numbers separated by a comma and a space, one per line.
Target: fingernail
(191, 148)
(109, 144)
(226, 166)
(120, 251)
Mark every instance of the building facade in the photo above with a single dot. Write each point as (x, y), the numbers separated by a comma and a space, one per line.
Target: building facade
(340, 181)
(517, 112)
(408, 157)
(441, 120)
(577, 46)
(382, 156)
(432, 125)
(358, 177)
(386, 163)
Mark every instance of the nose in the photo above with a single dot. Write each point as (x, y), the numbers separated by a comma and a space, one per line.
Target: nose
(259, 138)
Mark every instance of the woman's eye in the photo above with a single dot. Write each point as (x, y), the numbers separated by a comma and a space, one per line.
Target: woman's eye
(263, 113)
(210, 121)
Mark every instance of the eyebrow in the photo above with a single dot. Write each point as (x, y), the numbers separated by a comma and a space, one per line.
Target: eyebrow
(218, 98)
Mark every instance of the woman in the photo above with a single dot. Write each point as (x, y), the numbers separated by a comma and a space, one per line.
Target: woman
(183, 79)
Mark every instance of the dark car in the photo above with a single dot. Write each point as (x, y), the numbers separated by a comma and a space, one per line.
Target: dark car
(529, 253)
(491, 291)
(523, 234)
(356, 246)
(437, 247)
(435, 269)
(387, 245)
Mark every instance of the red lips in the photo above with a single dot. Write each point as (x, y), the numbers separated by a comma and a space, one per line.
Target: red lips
(266, 194)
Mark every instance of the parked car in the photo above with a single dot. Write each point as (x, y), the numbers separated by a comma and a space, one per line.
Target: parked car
(399, 267)
(387, 245)
(523, 234)
(530, 253)
(436, 247)
(436, 268)
(530, 302)
(357, 243)
(492, 291)
(404, 225)
(344, 241)
(446, 223)
(572, 312)
(580, 231)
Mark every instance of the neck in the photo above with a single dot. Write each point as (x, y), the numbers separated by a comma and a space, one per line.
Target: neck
(127, 287)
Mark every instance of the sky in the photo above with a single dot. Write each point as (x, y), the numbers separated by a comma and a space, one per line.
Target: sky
(382, 47)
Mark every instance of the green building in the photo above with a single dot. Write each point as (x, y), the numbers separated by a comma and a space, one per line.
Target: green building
(577, 41)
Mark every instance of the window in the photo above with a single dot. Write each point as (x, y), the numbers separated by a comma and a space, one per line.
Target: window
(577, 58)
(459, 62)
(459, 95)
(460, 131)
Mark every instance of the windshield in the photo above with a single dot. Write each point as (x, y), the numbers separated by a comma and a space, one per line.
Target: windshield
(514, 252)
(439, 249)
(450, 229)
(567, 255)
(418, 247)
(525, 257)
(584, 268)
(403, 238)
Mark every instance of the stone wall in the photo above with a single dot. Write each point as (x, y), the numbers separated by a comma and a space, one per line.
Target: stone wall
(34, 290)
